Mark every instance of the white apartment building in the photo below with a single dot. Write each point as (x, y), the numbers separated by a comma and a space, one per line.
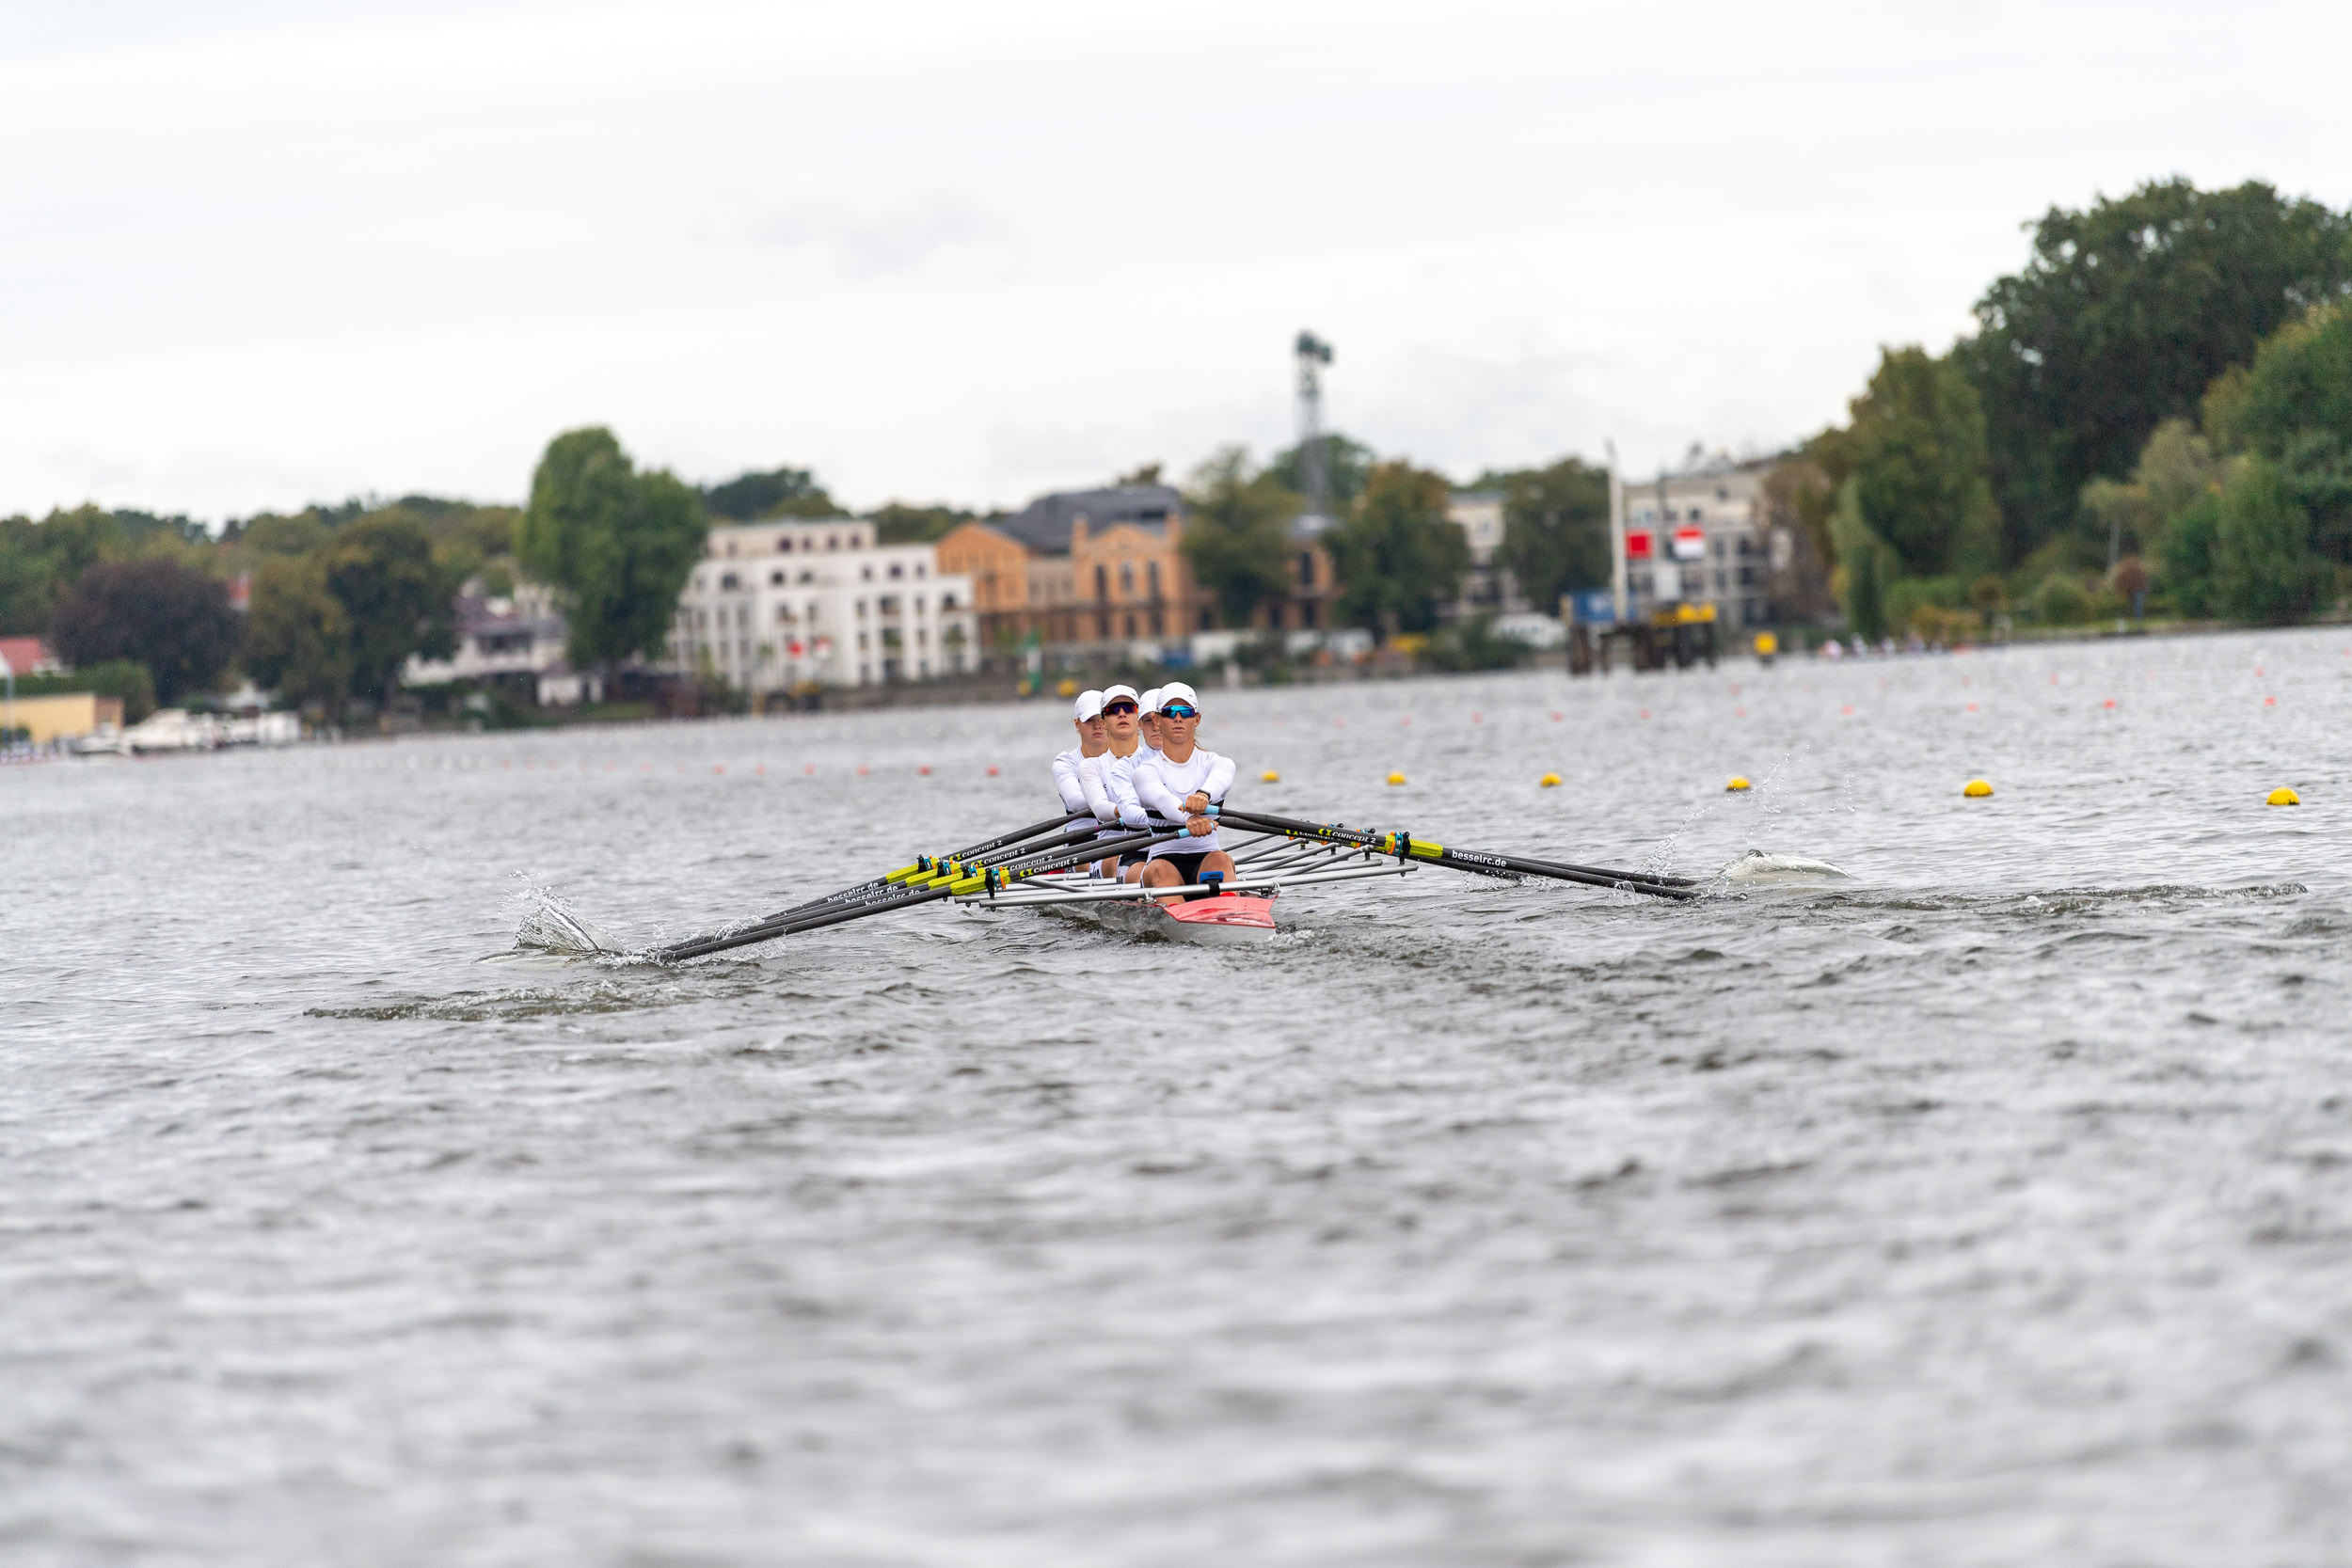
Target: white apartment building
(789, 603)
(1487, 586)
(1700, 537)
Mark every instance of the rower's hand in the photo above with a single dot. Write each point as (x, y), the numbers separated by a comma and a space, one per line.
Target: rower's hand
(1199, 827)
(1196, 803)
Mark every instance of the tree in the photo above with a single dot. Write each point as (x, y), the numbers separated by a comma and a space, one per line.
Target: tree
(776, 493)
(297, 636)
(1866, 564)
(1346, 466)
(1555, 528)
(1398, 557)
(2294, 407)
(2262, 567)
(1917, 445)
(1237, 535)
(395, 598)
(899, 522)
(155, 613)
(2122, 316)
(618, 543)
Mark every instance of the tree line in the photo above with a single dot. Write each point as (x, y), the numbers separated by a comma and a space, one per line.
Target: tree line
(2154, 413)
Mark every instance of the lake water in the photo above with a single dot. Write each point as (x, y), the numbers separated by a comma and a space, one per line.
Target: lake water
(1994, 1206)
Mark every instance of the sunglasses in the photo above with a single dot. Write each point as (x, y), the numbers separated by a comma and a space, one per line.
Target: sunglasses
(1179, 710)
(1121, 706)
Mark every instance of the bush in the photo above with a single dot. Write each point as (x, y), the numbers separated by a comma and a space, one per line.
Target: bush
(2262, 567)
(1475, 645)
(118, 677)
(1931, 623)
(2060, 601)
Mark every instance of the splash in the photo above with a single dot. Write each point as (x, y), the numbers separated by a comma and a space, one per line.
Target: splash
(549, 925)
(1757, 866)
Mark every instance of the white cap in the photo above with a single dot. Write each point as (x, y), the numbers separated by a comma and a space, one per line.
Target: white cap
(1112, 694)
(1089, 706)
(1177, 692)
(1152, 700)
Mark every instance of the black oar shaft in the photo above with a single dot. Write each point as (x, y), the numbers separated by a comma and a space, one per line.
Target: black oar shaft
(1468, 860)
(883, 884)
(792, 923)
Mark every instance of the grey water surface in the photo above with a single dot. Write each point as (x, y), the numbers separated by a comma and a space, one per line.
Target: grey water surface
(1988, 1208)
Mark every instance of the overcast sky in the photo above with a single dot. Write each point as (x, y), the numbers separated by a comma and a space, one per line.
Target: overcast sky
(254, 255)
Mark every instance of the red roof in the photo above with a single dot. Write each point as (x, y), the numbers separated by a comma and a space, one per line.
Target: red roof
(29, 656)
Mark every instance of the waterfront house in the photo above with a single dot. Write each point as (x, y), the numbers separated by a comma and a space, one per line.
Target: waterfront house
(789, 603)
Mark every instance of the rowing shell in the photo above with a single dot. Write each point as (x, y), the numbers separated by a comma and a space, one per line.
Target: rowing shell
(1229, 919)
(1237, 913)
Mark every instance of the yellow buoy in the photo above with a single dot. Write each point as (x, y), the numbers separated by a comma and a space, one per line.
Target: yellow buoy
(1738, 783)
(1269, 776)
(1977, 789)
(1548, 781)
(1397, 778)
(2283, 795)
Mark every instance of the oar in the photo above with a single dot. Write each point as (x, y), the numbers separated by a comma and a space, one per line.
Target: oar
(923, 864)
(1404, 846)
(957, 877)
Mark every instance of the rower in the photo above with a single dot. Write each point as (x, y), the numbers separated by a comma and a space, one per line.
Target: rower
(1092, 743)
(1182, 783)
(1121, 711)
(1150, 719)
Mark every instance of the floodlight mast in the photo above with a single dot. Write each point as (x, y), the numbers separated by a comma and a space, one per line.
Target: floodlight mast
(1313, 470)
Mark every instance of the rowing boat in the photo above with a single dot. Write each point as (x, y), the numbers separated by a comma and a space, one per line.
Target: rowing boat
(1238, 912)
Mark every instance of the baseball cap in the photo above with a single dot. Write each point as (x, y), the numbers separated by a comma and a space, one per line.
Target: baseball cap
(1177, 692)
(1152, 700)
(1089, 706)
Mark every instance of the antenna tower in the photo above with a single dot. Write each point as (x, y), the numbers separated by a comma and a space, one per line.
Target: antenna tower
(1313, 471)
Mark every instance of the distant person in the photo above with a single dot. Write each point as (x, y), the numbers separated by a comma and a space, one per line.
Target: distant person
(1093, 740)
(1122, 738)
(1180, 784)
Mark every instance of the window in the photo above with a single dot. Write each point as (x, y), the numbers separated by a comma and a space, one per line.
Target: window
(1127, 580)
(1208, 622)
(784, 615)
(865, 574)
(727, 582)
(1307, 614)
(1131, 626)
(947, 601)
(1103, 586)
(1274, 617)
(730, 546)
(832, 541)
(1155, 623)
(898, 569)
(783, 543)
(776, 580)
(920, 570)
(860, 610)
(1306, 568)
(805, 579)
(1152, 577)
(1102, 626)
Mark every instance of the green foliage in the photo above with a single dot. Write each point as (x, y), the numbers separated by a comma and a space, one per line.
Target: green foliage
(1236, 534)
(2300, 381)
(2061, 600)
(297, 637)
(154, 612)
(1346, 467)
(775, 493)
(118, 677)
(1398, 557)
(2262, 567)
(2121, 318)
(271, 534)
(618, 543)
(2185, 555)
(395, 597)
(1916, 446)
(1866, 564)
(1475, 645)
(900, 524)
(40, 562)
(1555, 528)
(1907, 597)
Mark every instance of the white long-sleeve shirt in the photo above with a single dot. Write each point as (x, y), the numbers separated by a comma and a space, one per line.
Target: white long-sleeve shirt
(1118, 782)
(1163, 785)
(1074, 795)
